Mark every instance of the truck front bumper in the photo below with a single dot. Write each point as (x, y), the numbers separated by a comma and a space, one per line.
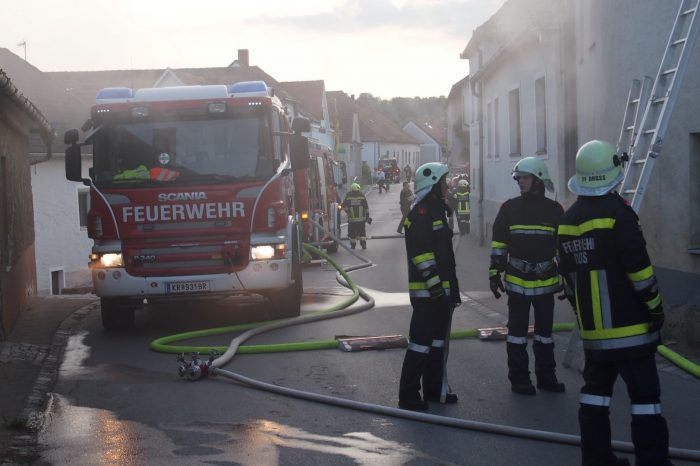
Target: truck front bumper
(257, 277)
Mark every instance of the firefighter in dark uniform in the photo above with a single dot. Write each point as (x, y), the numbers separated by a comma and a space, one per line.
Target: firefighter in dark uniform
(460, 205)
(524, 247)
(610, 281)
(433, 290)
(355, 205)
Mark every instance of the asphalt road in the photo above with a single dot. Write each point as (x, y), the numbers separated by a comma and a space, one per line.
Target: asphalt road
(117, 402)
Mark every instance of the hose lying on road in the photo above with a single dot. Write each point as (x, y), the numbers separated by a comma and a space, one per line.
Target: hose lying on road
(344, 279)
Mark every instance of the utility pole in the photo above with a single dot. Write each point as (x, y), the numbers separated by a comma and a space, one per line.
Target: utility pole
(23, 44)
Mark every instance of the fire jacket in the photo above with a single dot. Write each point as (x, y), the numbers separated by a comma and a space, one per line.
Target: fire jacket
(524, 245)
(461, 202)
(429, 252)
(355, 204)
(608, 276)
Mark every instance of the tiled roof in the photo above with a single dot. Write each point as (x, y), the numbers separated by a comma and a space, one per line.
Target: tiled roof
(309, 94)
(435, 129)
(65, 97)
(377, 127)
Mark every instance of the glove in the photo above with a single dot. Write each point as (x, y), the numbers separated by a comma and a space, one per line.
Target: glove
(657, 319)
(564, 296)
(437, 292)
(495, 283)
(369, 220)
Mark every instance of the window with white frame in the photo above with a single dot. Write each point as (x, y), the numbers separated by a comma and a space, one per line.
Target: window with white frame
(514, 122)
(83, 206)
(489, 130)
(541, 115)
(496, 132)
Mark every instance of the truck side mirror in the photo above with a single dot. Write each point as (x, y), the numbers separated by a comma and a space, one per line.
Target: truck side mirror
(299, 151)
(73, 163)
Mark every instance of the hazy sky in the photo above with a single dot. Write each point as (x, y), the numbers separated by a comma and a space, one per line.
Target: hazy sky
(389, 48)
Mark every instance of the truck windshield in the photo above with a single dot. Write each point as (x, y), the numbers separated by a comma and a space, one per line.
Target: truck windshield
(184, 151)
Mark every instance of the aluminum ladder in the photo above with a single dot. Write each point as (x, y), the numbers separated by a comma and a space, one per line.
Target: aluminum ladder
(638, 93)
(659, 106)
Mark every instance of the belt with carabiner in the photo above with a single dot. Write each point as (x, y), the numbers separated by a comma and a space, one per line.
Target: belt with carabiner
(539, 268)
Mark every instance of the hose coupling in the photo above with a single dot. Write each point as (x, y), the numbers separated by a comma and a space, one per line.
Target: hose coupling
(196, 368)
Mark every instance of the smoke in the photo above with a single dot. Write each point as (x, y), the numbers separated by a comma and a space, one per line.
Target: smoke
(455, 18)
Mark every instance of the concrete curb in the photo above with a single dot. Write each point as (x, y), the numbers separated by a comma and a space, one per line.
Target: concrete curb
(24, 445)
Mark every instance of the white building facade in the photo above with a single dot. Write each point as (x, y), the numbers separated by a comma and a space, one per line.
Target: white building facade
(547, 77)
(60, 209)
(615, 43)
(518, 102)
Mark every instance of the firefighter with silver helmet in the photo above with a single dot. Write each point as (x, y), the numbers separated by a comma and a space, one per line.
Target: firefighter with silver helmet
(433, 290)
(524, 248)
(355, 205)
(610, 281)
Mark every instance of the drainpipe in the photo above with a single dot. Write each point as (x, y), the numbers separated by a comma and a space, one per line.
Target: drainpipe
(480, 141)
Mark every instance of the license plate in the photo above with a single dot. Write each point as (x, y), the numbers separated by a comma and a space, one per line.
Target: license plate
(188, 287)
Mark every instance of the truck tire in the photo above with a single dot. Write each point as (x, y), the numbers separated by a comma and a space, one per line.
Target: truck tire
(117, 314)
(287, 303)
(333, 248)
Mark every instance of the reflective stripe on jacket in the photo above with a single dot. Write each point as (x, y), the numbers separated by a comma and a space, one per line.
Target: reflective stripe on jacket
(355, 204)
(525, 229)
(429, 252)
(605, 263)
(461, 202)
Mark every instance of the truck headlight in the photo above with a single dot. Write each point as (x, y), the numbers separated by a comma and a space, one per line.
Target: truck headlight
(268, 251)
(106, 260)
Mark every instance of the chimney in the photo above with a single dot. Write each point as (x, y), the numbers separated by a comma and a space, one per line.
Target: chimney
(243, 57)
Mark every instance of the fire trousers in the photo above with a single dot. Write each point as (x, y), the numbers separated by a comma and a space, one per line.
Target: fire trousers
(543, 345)
(649, 429)
(426, 356)
(356, 230)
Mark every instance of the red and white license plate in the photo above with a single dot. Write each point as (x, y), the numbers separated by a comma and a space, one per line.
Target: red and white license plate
(188, 287)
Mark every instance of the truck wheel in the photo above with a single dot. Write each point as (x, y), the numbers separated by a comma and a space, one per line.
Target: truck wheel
(333, 248)
(116, 314)
(287, 303)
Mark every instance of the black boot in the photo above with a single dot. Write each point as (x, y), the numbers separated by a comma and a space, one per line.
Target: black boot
(549, 383)
(544, 368)
(363, 243)
(450, 398)
(596, 444)
(522, 387)
(414, 364)
(518, 372)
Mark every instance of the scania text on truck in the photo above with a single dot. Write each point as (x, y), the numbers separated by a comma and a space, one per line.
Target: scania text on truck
(191, 196)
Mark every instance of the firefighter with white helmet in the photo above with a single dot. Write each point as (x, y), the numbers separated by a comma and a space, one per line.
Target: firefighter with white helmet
(433, 290)
(355, 205)
(611, 284)
(524, 248)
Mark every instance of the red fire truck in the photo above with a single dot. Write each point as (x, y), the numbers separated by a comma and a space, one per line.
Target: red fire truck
(192, 196)
(317, 197)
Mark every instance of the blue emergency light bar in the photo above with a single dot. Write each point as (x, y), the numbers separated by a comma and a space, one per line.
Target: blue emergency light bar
(115, 94)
